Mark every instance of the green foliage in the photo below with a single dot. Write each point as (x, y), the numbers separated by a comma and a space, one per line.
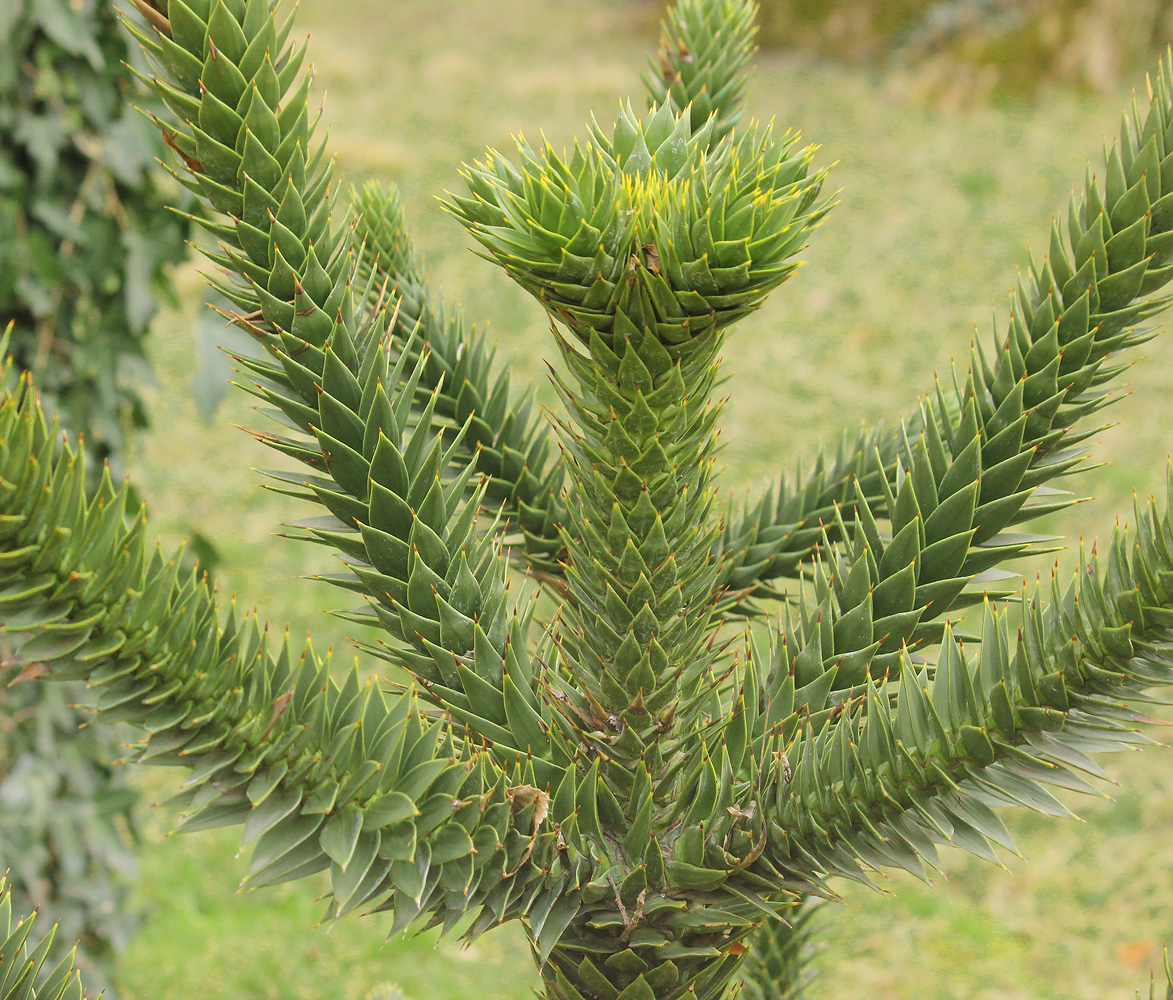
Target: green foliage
(66, 824)
(507, 444)
(701, 65)
(324, 776)
(653, 802)
(86, 237)
(24, 974)
(777, 967)
(712, 226)
(86, 234)
(986, 442)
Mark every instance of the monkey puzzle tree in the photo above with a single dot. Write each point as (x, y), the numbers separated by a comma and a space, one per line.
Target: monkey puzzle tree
(652, 800)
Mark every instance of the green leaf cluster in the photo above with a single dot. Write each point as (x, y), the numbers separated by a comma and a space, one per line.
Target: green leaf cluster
(650, 226)
(702, 62)
(1007, 427)
(653, 801)
(509, 445)
(778, 967)
(24, 973)
(322, 775)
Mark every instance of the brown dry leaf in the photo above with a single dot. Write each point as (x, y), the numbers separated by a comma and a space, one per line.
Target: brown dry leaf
(154, 17)
(652, 257)
(30, 672)
(280, 703)
(521, 796)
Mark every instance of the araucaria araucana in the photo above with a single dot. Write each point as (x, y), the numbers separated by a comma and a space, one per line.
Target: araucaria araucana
(651, 801)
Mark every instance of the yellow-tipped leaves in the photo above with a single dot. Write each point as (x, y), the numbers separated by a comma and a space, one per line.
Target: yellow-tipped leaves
(648, 225)
(322, 774)
(22, 963)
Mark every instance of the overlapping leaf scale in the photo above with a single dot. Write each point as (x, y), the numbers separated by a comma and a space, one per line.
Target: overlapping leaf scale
(877, 594)
(638, 973)
(777, 965)
(703, 60)
(410, 541)
(702, 811)
(681, 883)
(243, 132)
(23, 975)
(685, 838)
(402, 492)
(510, 444)
(295, 267)
(646, 224)
(640, 572)
(1070, 318)
(690, 886)
(668, 918)
(321, 775)
(891, 772)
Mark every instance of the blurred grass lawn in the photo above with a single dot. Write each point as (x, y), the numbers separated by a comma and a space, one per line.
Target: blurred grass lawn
(935, 216)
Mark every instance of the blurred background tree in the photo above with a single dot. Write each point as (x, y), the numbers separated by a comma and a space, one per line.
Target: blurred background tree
(85, 236)
(86, 246)
(67, 829)
(960, 51)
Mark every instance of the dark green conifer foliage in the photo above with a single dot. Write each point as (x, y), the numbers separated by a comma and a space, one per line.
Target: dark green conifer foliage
(653, 803)
(26, 972)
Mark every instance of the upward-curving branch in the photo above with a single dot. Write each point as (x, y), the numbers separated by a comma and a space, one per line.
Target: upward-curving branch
(642, 797)
(1016, 420)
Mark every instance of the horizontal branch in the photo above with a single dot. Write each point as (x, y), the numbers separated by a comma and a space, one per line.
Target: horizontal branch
(1014, 422)
(878, 781)
(322, 775)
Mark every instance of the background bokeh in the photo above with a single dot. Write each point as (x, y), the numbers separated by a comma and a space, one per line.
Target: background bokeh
(938, 208)
(961, 52)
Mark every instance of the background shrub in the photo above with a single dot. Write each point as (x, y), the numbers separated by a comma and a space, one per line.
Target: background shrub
(86, 242)
(958, 50)
(85, 235)
(66, 825)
